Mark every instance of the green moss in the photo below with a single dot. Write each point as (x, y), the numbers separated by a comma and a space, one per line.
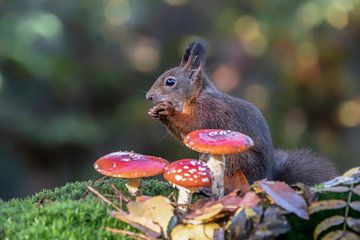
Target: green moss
(67, 212)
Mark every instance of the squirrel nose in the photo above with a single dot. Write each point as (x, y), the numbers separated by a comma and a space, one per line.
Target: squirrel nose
(149, 96)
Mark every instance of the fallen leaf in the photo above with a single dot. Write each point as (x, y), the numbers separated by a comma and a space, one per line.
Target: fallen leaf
(355, 205)
(273, 225)
(194, 232)
(236, 181)
(326, 205)
(286, 197)
(145, 225)
(242, 222)
(157, 209)
(212, 210)
(328, 223)
(340, 235)
(161, 211)
(205, 214)
(353, 223)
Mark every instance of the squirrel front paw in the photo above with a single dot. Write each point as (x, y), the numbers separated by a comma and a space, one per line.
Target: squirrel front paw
(162, 111)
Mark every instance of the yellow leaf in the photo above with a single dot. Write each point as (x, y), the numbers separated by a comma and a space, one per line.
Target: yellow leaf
(194, 232)
(207, 215)
(156, 209)
(353, 223)
(340, 235)
(326, 205)
(327, 223)
(145, 225)
(351, 172)
(161, 211)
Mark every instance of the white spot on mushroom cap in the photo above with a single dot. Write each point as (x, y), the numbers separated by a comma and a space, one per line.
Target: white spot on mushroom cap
(186, 167)
(205, 180)
(178, 177)
(179, 170)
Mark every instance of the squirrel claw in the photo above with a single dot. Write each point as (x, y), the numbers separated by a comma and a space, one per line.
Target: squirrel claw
(162, 110)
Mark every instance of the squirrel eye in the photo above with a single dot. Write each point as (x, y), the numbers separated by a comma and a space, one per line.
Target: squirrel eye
(170, 81)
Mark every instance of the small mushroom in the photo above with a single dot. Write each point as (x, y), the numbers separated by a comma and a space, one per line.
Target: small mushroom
(131, 166)
(188, 175)
(218, 142)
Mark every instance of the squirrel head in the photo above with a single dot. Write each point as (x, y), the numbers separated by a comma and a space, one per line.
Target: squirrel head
(183, 83)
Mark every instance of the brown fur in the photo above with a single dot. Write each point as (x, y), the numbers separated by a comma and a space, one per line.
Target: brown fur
(194, 103)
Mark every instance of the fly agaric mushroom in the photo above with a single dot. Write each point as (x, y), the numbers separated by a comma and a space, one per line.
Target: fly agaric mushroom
(131, 166)
(188, 175)
(218, 142)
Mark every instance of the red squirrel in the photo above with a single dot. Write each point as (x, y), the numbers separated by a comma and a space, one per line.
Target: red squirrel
(185, 99)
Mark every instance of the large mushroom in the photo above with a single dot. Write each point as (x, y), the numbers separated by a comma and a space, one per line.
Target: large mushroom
(218, 142)
(131, 166)
(188, 175)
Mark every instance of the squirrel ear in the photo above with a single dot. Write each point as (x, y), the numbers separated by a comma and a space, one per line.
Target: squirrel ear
(194, 55)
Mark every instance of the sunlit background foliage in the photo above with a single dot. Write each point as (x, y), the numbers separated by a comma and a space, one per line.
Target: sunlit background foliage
(73, 76)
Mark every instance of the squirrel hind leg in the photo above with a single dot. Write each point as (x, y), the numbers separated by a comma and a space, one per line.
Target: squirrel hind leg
(303, 166)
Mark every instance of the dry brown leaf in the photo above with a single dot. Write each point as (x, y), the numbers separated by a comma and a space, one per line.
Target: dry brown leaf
(353, 223)
(236, 181)
(328, 223)
(145, 225)
(212, 210)
(286, 197)
(340, 235)
(205, 214)
(326, 205)
(194, 232)
(355, 205)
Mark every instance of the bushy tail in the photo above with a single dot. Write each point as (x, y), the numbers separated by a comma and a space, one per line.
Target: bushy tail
(302, 166)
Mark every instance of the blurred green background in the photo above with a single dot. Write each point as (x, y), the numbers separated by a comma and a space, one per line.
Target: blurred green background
(73, 77)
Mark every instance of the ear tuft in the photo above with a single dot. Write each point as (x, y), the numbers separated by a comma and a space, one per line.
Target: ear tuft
(194, 55)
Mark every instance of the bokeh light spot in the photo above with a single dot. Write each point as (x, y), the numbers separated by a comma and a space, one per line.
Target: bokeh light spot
(37, 24)
(117, 12)
(349, 113)
(309, 14)
(307, 55)
(257, 94)
(176, 3)
(251, 38)
(226, 78)
(336, 15)
(145, 54)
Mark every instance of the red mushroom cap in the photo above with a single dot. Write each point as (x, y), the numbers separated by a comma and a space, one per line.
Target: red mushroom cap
(188, 173)
(217, 141)
(130, 165)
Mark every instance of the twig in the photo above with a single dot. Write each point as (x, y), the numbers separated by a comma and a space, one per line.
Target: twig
(104, 198)
(128, 233)
(92, 184)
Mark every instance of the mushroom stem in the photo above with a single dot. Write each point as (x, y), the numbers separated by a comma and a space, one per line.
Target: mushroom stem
(184, 197)
(216, 164)
(133, 185)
